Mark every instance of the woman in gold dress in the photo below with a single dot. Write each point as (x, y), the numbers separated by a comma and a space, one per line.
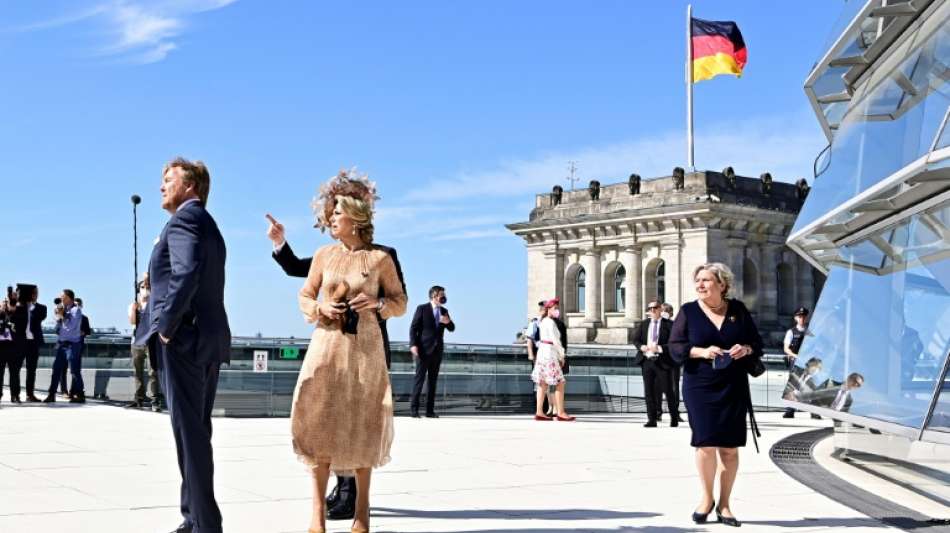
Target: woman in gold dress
(342, 415)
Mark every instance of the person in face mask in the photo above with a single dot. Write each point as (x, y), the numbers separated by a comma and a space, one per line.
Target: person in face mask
(548, 371)
(429, 324)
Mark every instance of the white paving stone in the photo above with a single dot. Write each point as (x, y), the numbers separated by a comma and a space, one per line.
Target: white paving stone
(104, 469)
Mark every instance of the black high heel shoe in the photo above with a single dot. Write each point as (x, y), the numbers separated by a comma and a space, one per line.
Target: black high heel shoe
(727, 520)
(700, 518)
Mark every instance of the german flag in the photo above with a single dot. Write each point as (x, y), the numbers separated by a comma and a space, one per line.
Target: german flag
(718, 48)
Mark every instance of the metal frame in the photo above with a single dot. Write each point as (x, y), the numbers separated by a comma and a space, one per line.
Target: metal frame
(861, 66)
(873, 423)
(938, 386)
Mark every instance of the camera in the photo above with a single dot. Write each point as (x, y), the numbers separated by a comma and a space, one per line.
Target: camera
(58, 301)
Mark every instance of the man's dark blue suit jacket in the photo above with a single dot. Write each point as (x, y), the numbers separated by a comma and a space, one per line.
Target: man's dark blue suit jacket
(186, 273)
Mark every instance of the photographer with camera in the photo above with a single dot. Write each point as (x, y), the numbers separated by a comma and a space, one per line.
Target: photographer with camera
(68, 329)
(8, 350)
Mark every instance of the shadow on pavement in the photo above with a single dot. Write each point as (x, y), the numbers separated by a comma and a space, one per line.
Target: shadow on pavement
(820, 522)
(518, 514)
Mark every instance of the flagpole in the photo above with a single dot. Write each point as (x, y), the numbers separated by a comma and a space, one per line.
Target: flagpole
(689, 89)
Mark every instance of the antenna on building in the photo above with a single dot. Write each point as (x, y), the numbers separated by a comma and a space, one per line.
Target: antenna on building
(573, 177)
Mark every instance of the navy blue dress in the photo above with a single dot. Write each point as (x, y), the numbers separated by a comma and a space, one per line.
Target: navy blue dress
(717, 399)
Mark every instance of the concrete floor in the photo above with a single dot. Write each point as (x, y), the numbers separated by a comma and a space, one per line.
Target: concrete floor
(98, 468)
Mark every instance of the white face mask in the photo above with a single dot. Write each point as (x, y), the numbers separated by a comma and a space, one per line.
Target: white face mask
(665, 315)
(555, 313)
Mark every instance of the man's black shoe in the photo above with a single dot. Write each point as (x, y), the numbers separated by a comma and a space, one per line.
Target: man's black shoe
(815, 417)
(674, 423)
(432, 415)
(788, 415)
(345, 509)
(134, 404)
(32, 399)
(650, 424)
(16, 399)
(80, 398)
(183, 528)
(50, 398)
(415, 415)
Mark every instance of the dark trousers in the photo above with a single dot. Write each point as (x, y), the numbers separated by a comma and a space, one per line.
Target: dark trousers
(76, 386)
(656, 382)
(67, 354)
(675, 377)
(427, 366)
(190, 387)
(10, 362)
(32, 358)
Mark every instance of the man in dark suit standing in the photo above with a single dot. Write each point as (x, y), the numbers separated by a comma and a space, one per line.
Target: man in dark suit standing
(653, 355)
(30, 317)
(426, 344)
(341, 503)
(189, 331)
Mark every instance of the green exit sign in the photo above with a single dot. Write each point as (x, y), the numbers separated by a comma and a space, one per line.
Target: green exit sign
(289, 352)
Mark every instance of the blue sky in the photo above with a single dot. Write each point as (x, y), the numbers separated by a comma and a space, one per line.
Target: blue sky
(461, 111)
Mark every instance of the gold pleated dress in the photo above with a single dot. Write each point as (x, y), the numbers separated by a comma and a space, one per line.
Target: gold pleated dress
(342, 411)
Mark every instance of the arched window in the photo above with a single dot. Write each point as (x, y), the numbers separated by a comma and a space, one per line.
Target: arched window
(581, 289)
(620, 288)
(654, 281)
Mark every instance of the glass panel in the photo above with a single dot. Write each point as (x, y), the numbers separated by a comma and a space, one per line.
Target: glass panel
(940, 420)
(878, 343)
(907, 116)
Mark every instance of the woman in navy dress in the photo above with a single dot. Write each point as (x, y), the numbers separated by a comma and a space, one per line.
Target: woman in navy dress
(715, 339)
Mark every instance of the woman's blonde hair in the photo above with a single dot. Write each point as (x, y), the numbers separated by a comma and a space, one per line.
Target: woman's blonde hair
(721, 272)
(361, 214)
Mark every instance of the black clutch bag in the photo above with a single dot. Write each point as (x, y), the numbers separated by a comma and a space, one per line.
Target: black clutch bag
(351, 321)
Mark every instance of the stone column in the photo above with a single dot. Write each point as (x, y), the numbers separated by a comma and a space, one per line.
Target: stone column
(632, 260)
(670, 253)
(593, 289)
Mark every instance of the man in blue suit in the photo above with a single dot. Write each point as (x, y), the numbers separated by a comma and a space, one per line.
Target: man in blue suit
(189, 331)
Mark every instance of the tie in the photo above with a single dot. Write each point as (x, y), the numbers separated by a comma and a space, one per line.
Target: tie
(653, 332)
(438, 315)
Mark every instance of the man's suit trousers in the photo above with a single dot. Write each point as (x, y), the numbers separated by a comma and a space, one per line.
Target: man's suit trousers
(427, 366)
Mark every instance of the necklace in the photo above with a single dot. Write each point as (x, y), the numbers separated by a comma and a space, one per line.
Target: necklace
(721, 307)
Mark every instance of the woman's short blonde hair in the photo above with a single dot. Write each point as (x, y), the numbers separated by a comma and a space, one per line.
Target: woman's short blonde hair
(361, 214)
(721, 272)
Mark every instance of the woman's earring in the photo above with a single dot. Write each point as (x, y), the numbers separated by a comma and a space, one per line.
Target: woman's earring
(354, 230)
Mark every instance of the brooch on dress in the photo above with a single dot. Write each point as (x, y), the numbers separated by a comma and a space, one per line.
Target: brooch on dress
(732, 318)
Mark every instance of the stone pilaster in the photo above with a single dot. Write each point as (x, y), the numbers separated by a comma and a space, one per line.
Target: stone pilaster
(736, 255)
(768, 276)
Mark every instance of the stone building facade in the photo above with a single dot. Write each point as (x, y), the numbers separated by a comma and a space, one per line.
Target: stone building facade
(605, 251)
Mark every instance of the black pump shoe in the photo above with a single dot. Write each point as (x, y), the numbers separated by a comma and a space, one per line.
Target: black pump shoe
(700, 518)
(728, 520)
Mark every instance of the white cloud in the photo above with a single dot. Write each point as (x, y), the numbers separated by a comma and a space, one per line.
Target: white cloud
(476, 205)
(139, 31)
(783, 145)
